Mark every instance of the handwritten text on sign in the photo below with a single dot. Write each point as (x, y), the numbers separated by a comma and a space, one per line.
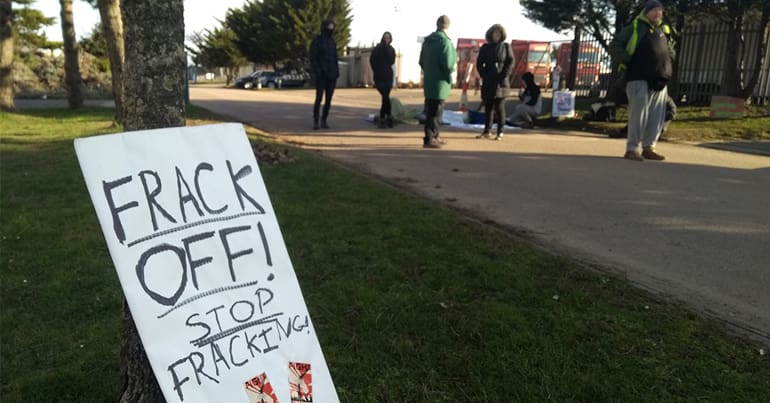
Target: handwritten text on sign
(203, 265)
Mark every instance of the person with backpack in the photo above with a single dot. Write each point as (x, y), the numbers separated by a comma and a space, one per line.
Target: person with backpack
(494, 64)
(382, 60)
(645, 53)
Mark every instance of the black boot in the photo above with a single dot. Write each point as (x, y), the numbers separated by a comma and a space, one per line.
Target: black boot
(390, 121)
(315, 124)
(381, 122)
(323, 124)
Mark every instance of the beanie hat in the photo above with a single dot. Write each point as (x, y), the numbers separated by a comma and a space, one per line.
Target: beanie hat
(442, 22)
(651, 4)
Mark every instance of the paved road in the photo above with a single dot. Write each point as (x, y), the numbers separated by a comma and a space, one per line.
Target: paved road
(696, 227)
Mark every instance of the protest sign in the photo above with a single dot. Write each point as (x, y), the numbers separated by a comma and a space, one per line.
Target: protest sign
(563, 104)
(723, 107)
(203, 265)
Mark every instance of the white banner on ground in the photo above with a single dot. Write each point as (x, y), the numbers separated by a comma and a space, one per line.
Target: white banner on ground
(203, 265)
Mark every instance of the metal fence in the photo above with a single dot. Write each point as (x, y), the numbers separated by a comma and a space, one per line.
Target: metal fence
(702, 56)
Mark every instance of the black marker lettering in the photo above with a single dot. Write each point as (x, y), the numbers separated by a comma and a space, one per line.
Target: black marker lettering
(184, 199)
(263, 303)
(116, 224)
(199, 368)
(140, 273)
(232, 359)
(198, 169)
(230, 256)
(194, 264)
(178, 382)
(153, 204)
(250, 344)
(246, 170)
(216, 315)
(250, 308)
(201, 324)
(216, 355)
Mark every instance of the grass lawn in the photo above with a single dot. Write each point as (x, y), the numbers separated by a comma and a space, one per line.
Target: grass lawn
(692, 123)
(411, 302)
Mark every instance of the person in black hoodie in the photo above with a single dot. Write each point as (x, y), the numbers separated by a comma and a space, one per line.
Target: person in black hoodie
(382, 60)
(494, 64)
(531, 103)
(323, 61)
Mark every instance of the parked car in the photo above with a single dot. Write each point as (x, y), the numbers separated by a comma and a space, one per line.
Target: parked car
(250, 81)
(286, 78)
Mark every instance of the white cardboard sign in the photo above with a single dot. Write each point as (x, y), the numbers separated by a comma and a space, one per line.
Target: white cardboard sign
(203, 265)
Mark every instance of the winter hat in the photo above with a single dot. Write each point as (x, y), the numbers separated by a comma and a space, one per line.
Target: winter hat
(651, 4)
(442, 23)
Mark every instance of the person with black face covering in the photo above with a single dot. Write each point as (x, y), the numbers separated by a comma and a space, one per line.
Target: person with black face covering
(382, 60)
(323, 61)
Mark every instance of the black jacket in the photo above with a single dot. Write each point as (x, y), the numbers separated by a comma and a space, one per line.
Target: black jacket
(494, 64)
(323, 54)
(382, 60)
(651, 61)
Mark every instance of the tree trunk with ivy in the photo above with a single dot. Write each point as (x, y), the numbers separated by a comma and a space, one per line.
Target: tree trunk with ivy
(72, 77)
(154, 98)
(6, 56)
(112, 26)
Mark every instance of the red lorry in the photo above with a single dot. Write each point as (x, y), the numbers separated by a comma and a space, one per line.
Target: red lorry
(467, 52)
(533, 57)
(588, 64)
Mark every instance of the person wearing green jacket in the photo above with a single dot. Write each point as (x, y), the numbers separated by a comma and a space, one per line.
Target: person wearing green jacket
(644, 51)
(438, 59)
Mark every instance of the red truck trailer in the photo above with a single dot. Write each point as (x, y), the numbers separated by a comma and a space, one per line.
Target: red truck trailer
(533, 57)
(467, 52)
(588, 64)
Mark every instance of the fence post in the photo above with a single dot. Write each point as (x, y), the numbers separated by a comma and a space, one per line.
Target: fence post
(573, 62)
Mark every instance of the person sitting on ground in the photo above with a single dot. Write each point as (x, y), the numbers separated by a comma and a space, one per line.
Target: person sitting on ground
(531, 103)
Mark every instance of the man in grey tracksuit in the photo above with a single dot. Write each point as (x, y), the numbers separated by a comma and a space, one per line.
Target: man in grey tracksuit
(645, 51)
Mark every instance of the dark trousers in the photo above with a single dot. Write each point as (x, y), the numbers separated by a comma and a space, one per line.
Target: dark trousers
(323, 86)
(385, 104)
(496, 105)
(434, 109)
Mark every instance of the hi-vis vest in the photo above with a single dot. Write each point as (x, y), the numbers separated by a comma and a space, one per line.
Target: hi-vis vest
(634, 41)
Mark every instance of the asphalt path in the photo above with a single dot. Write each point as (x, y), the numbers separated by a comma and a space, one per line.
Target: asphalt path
(695, 228)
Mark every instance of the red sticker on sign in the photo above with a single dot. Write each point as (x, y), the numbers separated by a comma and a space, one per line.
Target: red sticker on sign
(260, 390)
(300, 382)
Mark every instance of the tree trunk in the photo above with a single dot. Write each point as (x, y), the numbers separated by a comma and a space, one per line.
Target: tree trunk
(730, 84)
(112, 25)
(71, 64)
(6, 56)
(759, 61)
(154, 98)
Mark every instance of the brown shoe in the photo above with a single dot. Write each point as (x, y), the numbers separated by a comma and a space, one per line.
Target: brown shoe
(650, 154)
(633, 155)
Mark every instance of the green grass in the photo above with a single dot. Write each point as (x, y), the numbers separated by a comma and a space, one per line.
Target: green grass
(692, 124)
(411, 302)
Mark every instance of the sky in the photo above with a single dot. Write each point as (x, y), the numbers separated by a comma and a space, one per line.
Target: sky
(407, 19)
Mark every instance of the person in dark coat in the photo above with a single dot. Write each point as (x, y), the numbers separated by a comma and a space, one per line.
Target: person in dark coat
(323, 61)
(531, 103)
(494, 64)
(382, 60)
(645, 51)
(438, 58)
